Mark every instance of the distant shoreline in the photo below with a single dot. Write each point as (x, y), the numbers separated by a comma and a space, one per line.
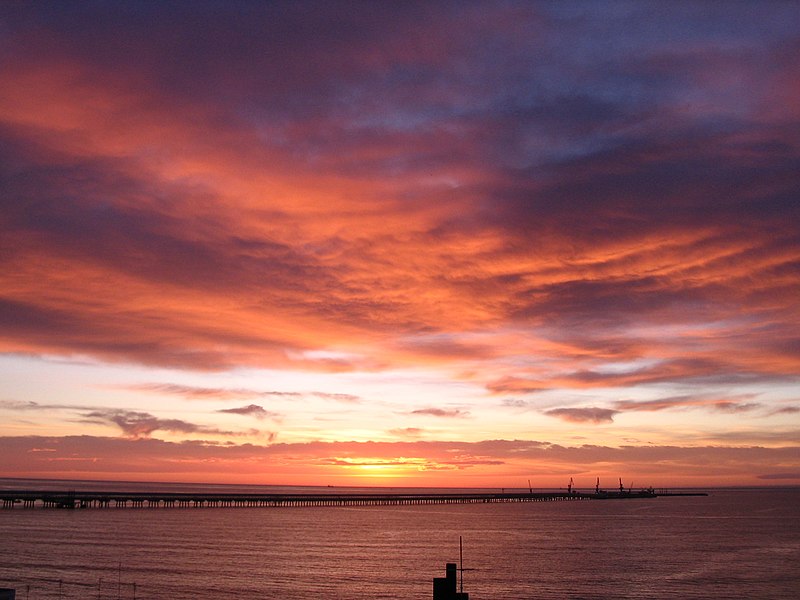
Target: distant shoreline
(7, 483)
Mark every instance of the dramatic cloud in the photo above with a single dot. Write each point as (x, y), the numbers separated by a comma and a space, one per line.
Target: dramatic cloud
(216, 217)
(378, 208)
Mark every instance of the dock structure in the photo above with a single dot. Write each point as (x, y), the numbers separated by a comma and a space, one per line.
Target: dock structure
(71, 500)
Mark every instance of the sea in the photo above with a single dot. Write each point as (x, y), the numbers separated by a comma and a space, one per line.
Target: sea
(733, 543)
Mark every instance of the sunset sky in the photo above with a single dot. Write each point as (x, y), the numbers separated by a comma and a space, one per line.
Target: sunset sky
(401, 243)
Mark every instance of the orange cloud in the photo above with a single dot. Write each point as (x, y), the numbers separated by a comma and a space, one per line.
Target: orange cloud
(490, 463)
(405, 189)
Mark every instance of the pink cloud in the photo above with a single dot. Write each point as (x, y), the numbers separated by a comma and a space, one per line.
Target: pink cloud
(407, 432)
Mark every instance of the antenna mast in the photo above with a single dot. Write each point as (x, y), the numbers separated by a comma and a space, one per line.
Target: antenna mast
(461, 564)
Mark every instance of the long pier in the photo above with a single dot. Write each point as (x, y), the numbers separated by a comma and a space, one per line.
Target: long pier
(72, 500)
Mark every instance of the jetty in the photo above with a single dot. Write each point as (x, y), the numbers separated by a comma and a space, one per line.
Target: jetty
(100, 499)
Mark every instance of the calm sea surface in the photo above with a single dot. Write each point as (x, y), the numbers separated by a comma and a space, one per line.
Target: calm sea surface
(731, 544)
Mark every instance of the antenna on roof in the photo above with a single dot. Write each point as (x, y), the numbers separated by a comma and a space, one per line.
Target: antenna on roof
(461, 568)
(461, 563)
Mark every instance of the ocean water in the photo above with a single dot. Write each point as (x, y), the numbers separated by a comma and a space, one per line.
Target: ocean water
(731, 544)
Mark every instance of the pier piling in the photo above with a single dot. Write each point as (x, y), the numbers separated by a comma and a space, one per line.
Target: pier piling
(85, 500)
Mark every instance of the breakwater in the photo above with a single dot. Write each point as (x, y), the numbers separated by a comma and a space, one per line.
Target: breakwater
(73, 500)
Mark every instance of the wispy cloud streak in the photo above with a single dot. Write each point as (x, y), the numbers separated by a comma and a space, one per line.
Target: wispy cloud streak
(735, 403)
(441, 412)
(189, 392)
(252, 410)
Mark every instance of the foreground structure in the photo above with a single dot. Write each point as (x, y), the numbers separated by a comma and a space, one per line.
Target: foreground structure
(446, 588)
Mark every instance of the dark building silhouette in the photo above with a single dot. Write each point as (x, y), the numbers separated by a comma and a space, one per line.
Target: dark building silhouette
(446, 588)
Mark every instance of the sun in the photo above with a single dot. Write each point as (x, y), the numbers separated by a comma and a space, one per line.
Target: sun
(380, 469)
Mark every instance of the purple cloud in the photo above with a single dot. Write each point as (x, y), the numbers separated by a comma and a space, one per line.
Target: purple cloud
(441, 412)
(136, 424)
(584, 415)
(252, 410)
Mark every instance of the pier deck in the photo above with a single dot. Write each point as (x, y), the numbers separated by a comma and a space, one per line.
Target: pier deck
(60, 499)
